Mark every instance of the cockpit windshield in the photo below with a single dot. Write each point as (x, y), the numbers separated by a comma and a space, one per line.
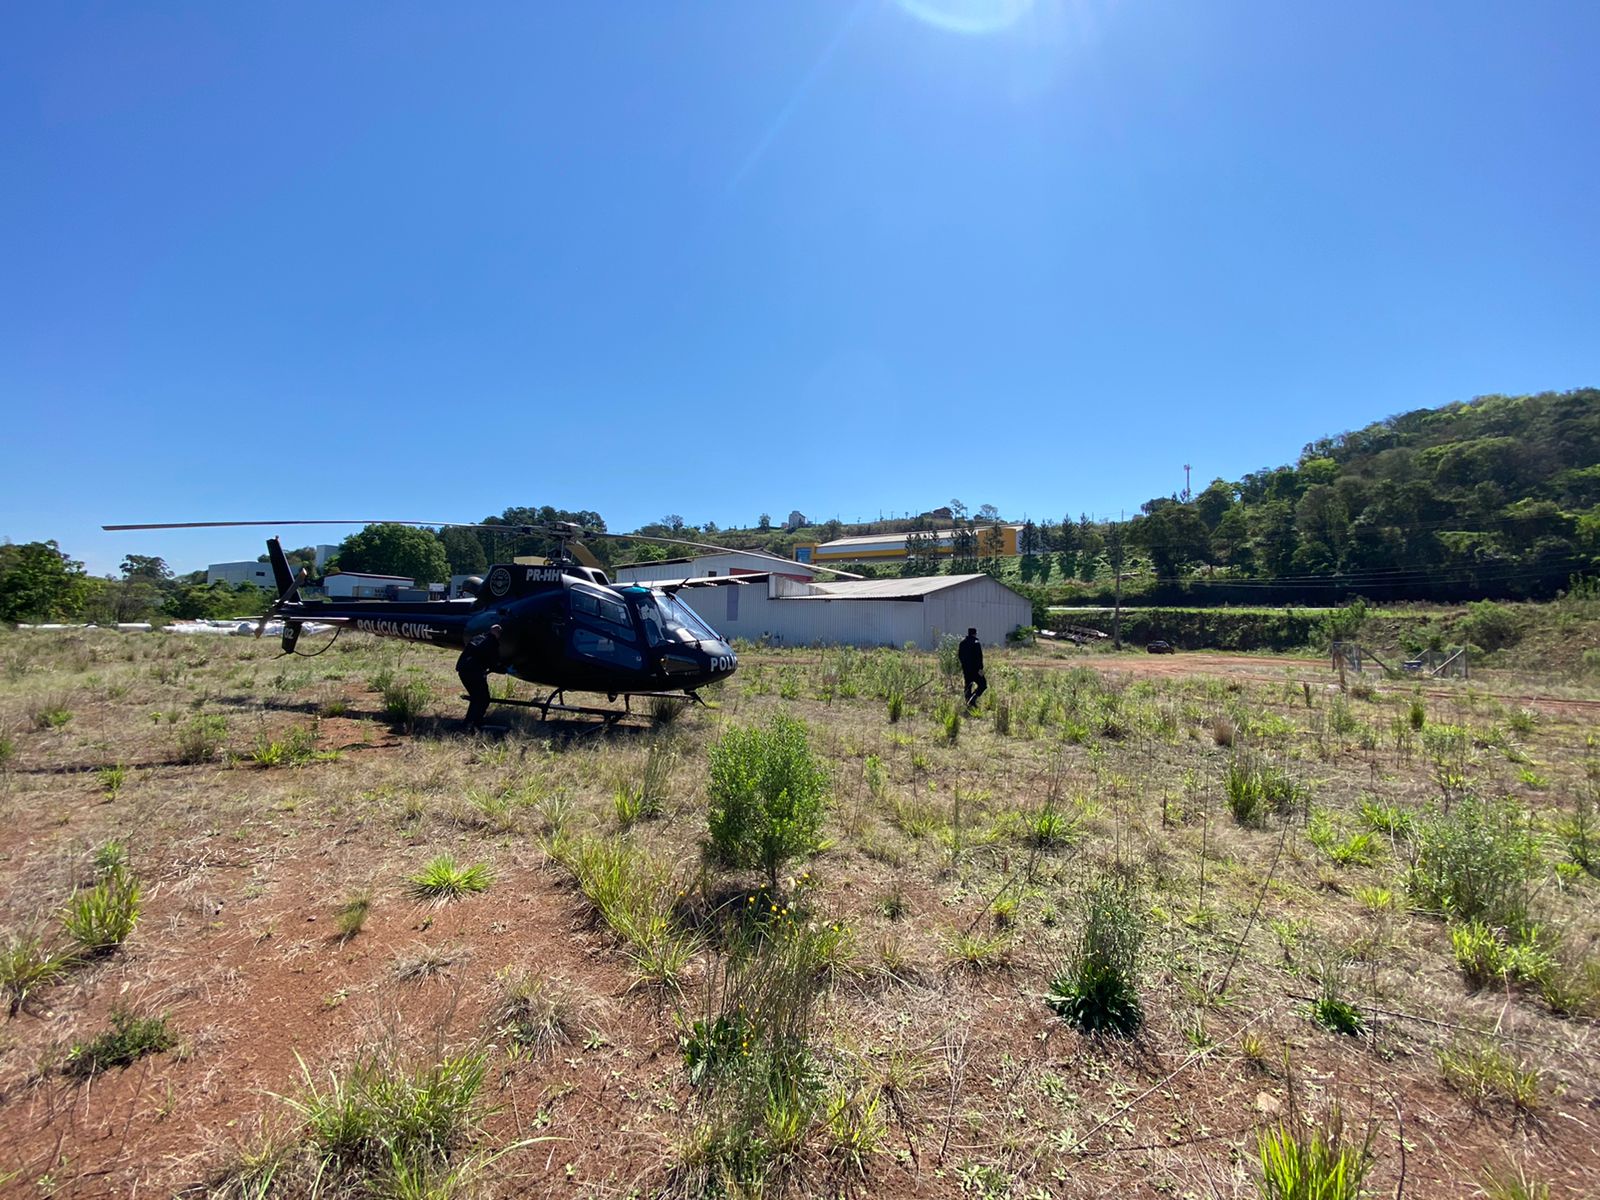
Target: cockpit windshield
(682, 622)
(667, 619)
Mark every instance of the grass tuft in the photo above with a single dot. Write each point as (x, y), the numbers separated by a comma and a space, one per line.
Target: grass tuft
(1311, 1164)
(27, 964)
(442, 880)
(1097, 988)
(353, 913)
(100, 918)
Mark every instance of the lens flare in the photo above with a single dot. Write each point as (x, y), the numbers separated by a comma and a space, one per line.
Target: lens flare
(968, 16)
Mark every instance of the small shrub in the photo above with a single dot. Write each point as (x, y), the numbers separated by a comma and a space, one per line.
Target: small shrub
(1311, 1164)
(1489, 625)
(637, 798)
(442, 880)
(1097, 989)
(876, 778)
(632, 893)
(100, 918)
(200, 741)
(1475, 863)
(767, 796)
(111, 858)
(51, 715)
(949, 718)
(1337, 1015)
(1581, 834)
(405, 698)
(1257, 789)
(27, 964)
(1050, 827)
(665, 710)
(1417, 713)
(1002, 715)
(1346, 850)
(128, 1040)
(1511, 1182)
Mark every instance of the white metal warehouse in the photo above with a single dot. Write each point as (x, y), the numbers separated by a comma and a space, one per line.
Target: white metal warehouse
(869, 612)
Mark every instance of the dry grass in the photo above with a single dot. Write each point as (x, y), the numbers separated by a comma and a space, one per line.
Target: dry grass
(945, 898)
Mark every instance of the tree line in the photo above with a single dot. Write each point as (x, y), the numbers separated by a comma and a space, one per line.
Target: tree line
(1497, 497)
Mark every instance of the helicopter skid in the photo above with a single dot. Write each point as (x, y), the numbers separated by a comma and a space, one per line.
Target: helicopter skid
(555, 702)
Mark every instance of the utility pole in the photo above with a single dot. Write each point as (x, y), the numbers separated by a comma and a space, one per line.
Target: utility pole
(1117, 553)
(1187, 492)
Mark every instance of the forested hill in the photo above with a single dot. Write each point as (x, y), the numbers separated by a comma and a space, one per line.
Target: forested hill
(1499, 496)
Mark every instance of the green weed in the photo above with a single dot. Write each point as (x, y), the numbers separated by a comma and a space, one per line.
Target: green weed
(27, 964)
(1482, 1070)
(442, 880)
(383, 1123)
(1256, 789)
(128, 1040)
(1097, 988)
(1311, 1164)
(201, 740)
(100, 918)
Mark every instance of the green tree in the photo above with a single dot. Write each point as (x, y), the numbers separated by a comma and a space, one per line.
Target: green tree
(464, 551)
(396, 550)
(991, 549)
(40, 583)
(1215, 503)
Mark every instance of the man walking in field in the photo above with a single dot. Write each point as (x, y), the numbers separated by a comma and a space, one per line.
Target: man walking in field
(971, 654)
(482, 655)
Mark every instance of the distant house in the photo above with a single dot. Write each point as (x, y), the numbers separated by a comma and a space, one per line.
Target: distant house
(795, 521)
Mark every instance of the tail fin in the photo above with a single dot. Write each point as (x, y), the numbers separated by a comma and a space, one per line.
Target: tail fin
(281, 574)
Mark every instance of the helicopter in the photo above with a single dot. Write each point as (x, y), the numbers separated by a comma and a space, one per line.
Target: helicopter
(564, 625)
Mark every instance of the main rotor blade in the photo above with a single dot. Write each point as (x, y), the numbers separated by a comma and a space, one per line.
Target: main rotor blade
(528, 530)
(245, 524)
(669, 541)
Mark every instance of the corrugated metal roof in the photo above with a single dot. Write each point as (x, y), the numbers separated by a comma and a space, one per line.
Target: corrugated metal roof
(886, 589)
(945, 535)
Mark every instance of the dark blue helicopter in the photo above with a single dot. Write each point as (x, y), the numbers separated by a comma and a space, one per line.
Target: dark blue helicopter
(564, 625)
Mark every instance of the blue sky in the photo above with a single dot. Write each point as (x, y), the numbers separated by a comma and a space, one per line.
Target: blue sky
(428, 261)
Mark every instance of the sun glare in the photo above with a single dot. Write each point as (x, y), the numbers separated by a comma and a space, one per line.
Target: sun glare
(968, 16)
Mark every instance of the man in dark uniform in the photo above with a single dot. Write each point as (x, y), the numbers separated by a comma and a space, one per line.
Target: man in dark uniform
(482, 655)
(971, 654)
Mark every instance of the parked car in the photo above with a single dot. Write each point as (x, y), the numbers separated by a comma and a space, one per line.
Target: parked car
(1159, 647)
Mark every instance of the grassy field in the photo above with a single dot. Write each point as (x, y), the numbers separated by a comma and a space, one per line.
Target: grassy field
(1188, 927)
